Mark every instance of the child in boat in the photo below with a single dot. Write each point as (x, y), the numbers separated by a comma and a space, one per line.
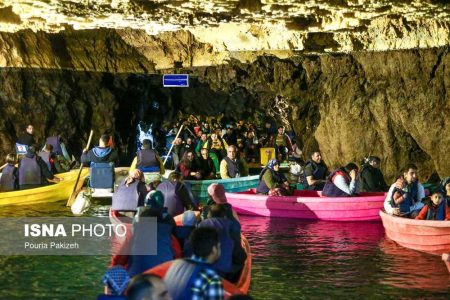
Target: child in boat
(445, 190)
(10, 178)
(432, 210)
(398, 196)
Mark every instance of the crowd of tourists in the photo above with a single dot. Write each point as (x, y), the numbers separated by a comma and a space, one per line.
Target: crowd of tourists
(208, 245)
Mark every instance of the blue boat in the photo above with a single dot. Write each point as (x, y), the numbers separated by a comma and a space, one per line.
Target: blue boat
(240, 184)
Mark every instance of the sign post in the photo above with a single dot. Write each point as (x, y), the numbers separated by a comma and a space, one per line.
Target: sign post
(176, 80)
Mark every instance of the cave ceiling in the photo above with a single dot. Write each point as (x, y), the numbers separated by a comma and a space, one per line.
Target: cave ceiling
(281, 27)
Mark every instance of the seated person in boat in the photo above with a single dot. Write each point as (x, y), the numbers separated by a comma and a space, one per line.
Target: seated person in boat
(195, 277)
(187, 146)
(412, 193)
(176, 195)
(206, 166)
(372, 180)
(102, 160)
(142, 244)
(116, 280)
(232, 166)
(155, 201)
(101, 153)
(131, 193)
(297, 153)
(233, 256)
(154, 181)
(445, 190)
(216, 192)
(200, 143)
(433, 208)
(147, 160)
(10, 175)
(48, 156)
(342, 182)
(147, 287)
(33, 171)
(188, 224)
(271, 181)
(57, 144)
(316, 172)
(217, 145)
(188, 166)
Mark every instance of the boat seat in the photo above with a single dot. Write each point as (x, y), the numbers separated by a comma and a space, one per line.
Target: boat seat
(102, 176)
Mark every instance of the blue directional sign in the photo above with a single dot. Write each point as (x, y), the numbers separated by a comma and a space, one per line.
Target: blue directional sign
(176, 80)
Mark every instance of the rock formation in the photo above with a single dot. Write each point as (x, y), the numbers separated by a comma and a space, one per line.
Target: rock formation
(66, 74)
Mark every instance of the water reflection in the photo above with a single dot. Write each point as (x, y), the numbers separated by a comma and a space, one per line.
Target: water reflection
(405, 268)
(301, 259)
(292, 259)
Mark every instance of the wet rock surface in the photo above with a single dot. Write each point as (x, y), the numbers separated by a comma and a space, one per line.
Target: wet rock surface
(392, 104)
(238, 28)
(350, 77)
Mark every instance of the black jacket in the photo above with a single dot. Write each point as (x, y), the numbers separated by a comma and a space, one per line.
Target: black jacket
(372, 179)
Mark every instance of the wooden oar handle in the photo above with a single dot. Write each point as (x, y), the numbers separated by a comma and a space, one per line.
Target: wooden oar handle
(72, 196)
(1, 168)
(171, 147)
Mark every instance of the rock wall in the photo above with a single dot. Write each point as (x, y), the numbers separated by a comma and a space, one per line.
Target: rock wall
(392, 104)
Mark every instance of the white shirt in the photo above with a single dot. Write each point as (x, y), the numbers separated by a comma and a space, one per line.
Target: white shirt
(340, 183)
(418, 205)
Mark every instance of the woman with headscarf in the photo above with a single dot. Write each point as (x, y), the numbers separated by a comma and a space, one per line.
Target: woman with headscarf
(271, 181)
(131, 192)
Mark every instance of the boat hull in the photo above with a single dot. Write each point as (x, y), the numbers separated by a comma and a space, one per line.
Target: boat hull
(309, 205)
(48, 193)
(427, 236)
(200, 187)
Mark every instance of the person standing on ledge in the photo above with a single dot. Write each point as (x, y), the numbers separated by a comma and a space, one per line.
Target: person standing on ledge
(282, 144)
(27, 137)
(316, 172)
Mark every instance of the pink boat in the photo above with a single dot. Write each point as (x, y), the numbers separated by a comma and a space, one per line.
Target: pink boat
(309, 205)
(427, 236)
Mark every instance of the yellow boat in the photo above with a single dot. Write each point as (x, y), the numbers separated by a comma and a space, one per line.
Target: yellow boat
(48, 193)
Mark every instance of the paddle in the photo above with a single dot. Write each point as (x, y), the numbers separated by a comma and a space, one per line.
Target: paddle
(72, 196)
(171, 147)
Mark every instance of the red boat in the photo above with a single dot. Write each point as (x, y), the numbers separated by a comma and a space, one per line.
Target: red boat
(240, 287)
(422, 235)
